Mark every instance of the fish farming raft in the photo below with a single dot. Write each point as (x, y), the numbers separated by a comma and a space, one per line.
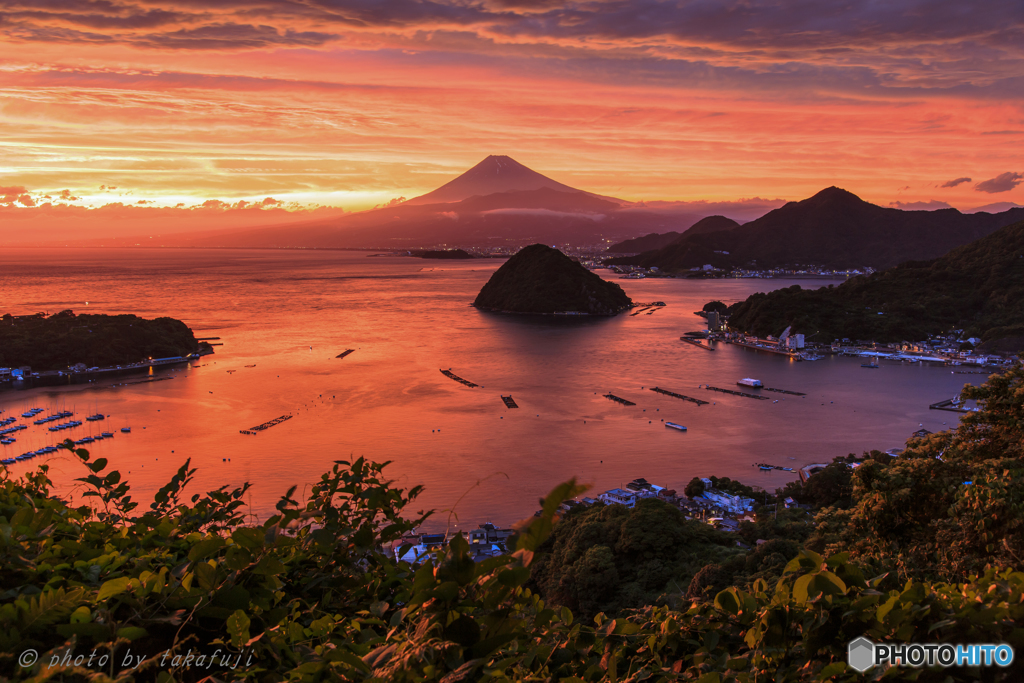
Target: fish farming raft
(509, 403)
(675, 395)
(266, 425)
(344, 353)
(448, 373)
(785, 391)
(623, 401)
(735, 393)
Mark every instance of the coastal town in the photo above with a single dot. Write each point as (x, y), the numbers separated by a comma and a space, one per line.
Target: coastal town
(951, 349)
(717, 507)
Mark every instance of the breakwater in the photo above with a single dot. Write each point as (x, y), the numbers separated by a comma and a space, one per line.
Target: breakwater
(53, 378)
(950, 405)
(448, 373)
(266, 425)
(680, 396)
(780, 352)
(696, 343)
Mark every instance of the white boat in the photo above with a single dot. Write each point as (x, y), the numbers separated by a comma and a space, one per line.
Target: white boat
(673, 425)
(748, 382)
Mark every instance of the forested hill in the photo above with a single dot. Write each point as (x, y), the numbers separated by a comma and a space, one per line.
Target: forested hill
(64, 339)
(655, 240)
(835, 229)
(638, 245)
(539, 279)
(978, 287)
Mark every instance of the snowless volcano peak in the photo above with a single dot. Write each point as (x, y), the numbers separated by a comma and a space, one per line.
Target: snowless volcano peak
(493, 174)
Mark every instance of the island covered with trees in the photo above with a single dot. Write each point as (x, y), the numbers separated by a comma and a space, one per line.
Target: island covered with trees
(443, 254)
(977, 288)
(923, 548)
(59, 341)
(542, 280)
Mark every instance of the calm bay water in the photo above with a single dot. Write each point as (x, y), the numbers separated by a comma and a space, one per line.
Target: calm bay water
(289, 313)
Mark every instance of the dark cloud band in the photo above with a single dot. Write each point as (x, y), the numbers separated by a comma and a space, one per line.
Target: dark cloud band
(1004, 182)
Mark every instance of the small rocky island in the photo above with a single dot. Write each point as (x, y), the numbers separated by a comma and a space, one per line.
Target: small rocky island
(542, 280)
(65, 339)
(444, 254)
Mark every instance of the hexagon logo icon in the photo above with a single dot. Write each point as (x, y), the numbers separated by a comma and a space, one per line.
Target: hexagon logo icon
(860, 654)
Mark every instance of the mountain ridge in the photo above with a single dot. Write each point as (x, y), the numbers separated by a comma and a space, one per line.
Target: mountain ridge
(496, 173)
(833, 228)
(706, 225)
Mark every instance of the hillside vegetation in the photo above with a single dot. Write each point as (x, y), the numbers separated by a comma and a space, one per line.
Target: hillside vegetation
(655, 240)
(64, 339)
(539, 279)
(918, 549)
(443, 254)
(647, 242)
(978, 288)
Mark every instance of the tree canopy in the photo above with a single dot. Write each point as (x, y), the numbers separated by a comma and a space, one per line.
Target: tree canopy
(64, 339)
(539, 279)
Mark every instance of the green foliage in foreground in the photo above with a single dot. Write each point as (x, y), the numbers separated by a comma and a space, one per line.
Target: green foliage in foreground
(311, 596)
(608, 558)
(312, 593)
(952, 504)
(64, 339)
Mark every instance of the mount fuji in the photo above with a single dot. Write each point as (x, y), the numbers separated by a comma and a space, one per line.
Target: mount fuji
(498, 202)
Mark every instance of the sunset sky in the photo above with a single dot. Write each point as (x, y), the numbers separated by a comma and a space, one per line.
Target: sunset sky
(150, 103)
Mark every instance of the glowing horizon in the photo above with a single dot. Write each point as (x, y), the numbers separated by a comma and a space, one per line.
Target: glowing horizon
(172, 104)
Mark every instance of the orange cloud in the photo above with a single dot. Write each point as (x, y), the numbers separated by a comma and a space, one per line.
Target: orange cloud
(354, 103)
(49, 223)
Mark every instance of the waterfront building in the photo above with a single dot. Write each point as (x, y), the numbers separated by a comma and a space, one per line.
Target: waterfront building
(727, 524)
(734, 504)
(417, 550)
(485, 541)
(619, 497)
(488, 533)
